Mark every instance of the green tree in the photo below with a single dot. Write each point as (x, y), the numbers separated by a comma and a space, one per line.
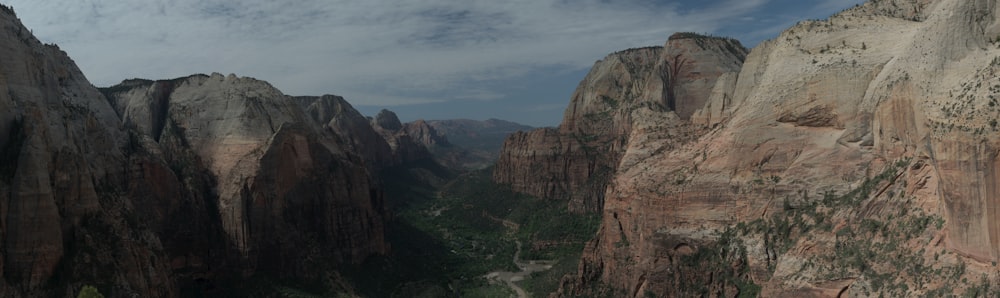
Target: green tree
(89, 292)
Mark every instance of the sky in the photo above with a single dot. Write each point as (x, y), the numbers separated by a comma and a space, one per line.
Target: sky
(517, 60)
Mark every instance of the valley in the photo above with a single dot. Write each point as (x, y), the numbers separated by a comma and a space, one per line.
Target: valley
(477, 229)
(853, 156)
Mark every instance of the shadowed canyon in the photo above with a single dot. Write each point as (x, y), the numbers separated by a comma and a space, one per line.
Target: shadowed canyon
(854, 156)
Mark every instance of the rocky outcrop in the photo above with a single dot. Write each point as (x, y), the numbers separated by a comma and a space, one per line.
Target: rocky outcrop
(282, 183)
(406, 141)
(832, 135)
(548, 164)
(337, 115)
(154, 186)
(65, 218)
(387, 120)
(425, 134)
(383, 141)
(577, 161)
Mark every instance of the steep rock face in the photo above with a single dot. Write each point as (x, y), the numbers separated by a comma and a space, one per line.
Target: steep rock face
(425, 134)
(387, 120)
(839, 106)
(64, 218)
(548, 164)
(693, 65)
(337, 115)
(577, 160)
(287, 190)
(406, 147)
(305, 191)
(383, 142)
(157, 185)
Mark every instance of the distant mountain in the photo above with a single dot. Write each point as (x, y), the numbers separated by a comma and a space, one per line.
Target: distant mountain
(476, 143)
(477, 135)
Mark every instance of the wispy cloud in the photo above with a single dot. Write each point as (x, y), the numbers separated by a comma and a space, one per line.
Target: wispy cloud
(374, 51)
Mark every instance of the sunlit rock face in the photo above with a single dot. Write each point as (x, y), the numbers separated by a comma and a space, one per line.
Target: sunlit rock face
(825, 107)
(280, 180)
(614, 104)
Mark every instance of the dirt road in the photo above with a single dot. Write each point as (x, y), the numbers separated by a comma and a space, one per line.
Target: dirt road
(527, 268)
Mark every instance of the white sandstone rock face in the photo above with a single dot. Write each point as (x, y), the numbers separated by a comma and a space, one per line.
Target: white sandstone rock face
(271, 156)
(626, 97)
(825, 106)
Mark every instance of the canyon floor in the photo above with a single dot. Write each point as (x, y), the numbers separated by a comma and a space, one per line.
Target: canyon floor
(472, 238)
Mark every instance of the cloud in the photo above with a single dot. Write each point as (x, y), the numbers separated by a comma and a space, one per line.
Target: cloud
(372, 52)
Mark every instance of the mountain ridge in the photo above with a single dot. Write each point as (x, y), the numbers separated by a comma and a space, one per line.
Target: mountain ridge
(167, 188)
(878, 116)
(855, 156)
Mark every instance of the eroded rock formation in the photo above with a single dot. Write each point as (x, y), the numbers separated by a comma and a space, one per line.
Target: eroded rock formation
(337, 115)
(879, 119)
(577, 160)
(279, 178)
(154, 186)
(425, 134)
(65, 216)
(407, 140)
(849, 156)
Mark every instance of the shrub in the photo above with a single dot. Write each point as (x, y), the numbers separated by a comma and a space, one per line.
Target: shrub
(89, 292)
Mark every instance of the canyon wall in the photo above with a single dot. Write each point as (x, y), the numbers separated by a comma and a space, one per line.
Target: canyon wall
(577, 160)
(881, 118)
(65, 217)
(160, 188)
(278, 179)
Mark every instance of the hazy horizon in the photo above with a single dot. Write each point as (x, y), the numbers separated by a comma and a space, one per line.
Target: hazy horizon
(424, 59)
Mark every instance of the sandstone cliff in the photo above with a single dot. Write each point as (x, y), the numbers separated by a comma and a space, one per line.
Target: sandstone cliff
(407, 141)
(577, 160)
(281, 181)
(383, 141)
(337, 115)
(850, 156)
(155, 186)
(425, 134)
(65, 216)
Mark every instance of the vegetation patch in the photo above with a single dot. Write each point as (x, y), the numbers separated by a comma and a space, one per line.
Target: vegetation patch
(883, 251)
(446, 239)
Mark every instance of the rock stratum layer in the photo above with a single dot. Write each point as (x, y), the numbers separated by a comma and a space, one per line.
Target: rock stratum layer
(151, 188)
(577, 160)
(847, 157)
(279, 178)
